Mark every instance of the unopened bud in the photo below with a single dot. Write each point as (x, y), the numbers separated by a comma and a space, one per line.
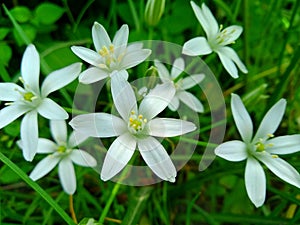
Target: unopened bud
(154, 11)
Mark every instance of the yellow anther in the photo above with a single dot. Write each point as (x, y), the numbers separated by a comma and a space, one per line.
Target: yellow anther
(140, 116)
(132, 112)
(111, 48)
(145, 120)
(104, 51)
(270, 135)
(275, 156)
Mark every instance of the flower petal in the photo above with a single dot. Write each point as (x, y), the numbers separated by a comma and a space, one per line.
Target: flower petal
(123, 95)
(174, 104)
(206, 19)
(67, 176)
(87, 55)
(10, 113)
(117, 156)
(191, 81)
(232, 151)
(100, 36)
(255, 181)
(29, 135)
(196, 46)
(120, 39)
(9, 92)
(60, 78)
(30, 68)
(191, 101)
(92, 75)
(231, 54)
(59, 131)
(133, 58)
(177, 68)
(44, 166)
(157, 158)
(165, 127)
(163, 73)
(284, 145)
(271, 121)
(241, 118)
(75, 139)
(227, 63)
(98, 125)
(232, 33)
(51, 110)
(281, 168)
(45, 146)
(83, 158)
(157, 100)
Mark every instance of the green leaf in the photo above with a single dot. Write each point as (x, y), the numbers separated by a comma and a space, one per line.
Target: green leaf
(3, 32)
(5, 54)
(29, 31)
(48, 13)
(21, 13)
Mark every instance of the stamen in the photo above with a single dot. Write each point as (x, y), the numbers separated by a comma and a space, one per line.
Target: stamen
(61, 149)
(275, 156)
(136, 123)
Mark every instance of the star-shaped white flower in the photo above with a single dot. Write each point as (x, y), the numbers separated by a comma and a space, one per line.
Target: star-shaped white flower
(180, 85)
(216, 41)
(135, 129)
(31, 100)
(63, 153)
(260, 148)
(109, 56)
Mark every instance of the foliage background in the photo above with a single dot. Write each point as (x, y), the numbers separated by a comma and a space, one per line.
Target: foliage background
(270, 48)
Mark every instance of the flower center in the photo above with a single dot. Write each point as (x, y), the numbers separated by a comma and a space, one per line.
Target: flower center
(261, 146)
(108, 54)
(136, 122)
(223, 36)
(61, 149)
(29, 96)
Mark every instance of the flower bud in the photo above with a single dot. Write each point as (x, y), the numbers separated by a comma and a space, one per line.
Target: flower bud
(154, 11)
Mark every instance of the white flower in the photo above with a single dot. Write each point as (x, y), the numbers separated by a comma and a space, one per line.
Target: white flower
(216, 41)
(260, 148)
(109, 56)
(63, 153)
(32, 100)
(180, 84)
(135, 129)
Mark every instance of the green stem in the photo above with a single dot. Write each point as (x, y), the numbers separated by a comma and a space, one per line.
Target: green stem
(134, 15)
(37, 188)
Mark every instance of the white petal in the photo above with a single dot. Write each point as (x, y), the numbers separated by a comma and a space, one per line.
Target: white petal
(87, 55)
(191, 81)
(284, 145)
(45, 146)
(206, 19)
(100, 36)
(92, 75)
(134, 46)
(157, 158)
(51, 110)
(174, 104)
(231, 54)
(271, 120)
(163, 73)
(177, 68)
(120, 40)
(10, 113)
(134, 58)
(59, 131)
(29, 135)
(157, 100)
(117, 156)
(123, 95)
(165, 127)
(228, 63)
(8, 92)
(196, 46)
(67, 176)
(75, 139)
(232, 33)
(83, 158)
(30, 68)
(44, 167)
(232, 151)
(255, 181)
(60, 78)
(191, 101)
(242, 118)
(98, 125)
(281, 168)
